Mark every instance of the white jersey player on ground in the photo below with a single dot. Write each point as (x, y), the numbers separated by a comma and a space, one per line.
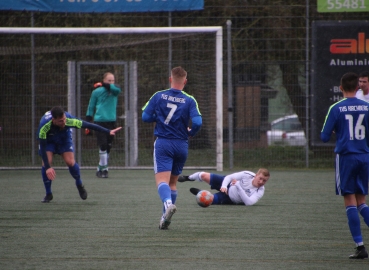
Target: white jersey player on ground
(243, 187)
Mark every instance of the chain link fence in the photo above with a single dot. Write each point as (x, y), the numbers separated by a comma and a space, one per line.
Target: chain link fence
(268, 73)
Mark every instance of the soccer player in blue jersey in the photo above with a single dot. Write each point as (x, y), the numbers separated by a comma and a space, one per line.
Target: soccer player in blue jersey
(102, 108)
(55, 137)
(172, 110)
(349, 120)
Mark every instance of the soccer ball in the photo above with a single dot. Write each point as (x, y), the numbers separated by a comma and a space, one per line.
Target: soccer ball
(204, 198)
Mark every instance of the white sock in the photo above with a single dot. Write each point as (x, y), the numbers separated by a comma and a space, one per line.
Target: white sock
(196, 176)
(103, 158)
(167, 203)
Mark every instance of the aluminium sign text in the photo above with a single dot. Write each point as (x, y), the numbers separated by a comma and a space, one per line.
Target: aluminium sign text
(338, 47)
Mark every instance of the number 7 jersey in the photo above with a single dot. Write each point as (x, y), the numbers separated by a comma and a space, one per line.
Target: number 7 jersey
(173, 110)
(349, 119)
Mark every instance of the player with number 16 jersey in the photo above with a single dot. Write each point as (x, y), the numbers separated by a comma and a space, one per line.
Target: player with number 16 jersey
(349, 120)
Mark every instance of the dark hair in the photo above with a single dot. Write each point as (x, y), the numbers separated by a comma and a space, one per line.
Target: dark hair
(349, 82)
(364, 74)
(57, 112)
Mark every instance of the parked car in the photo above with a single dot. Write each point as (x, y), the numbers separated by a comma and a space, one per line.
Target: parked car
(286, 131)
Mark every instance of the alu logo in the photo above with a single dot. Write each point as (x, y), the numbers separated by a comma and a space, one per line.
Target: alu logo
(350, 46)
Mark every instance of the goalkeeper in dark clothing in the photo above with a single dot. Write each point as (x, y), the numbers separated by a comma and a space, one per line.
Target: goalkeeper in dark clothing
(102, 108)
(55, 137)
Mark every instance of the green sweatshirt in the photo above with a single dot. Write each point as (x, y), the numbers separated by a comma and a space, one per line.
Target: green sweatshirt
(103, 104)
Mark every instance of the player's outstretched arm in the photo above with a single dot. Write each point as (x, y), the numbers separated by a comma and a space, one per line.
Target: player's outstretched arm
(95, 127)
(113, 131)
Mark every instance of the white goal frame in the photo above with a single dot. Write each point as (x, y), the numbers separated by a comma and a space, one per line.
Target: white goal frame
(217, 30)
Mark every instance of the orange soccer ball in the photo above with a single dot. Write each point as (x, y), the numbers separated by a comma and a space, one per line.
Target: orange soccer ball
(204, 198)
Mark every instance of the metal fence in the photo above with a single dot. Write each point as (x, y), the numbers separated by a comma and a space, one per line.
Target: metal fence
(266, 76)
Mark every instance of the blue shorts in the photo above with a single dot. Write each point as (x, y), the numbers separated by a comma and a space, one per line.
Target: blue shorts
(352, 174)
(60, 145)
(216, 181)
(170, 155)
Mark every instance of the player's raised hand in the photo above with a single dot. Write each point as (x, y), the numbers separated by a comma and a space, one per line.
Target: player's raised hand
(113, 131)
(50, 173)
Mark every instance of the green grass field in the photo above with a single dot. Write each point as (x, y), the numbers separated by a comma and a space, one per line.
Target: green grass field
(299, 224)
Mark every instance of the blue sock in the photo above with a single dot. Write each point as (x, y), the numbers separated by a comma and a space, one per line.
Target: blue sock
(47, 182)
(74, 172)
(364, 211)
(174, 195)
(164, 193)
(354, 223)
(216, 199)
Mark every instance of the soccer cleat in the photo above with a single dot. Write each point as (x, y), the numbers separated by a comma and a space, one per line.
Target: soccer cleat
(167, 217)
(360, 253)
(194, 191)
(184, 178)
(82, 192)
(99, 174)
(163, 225)
(104, 174)
(47, 198)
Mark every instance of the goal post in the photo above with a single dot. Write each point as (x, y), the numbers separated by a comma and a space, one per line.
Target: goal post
(159, 33)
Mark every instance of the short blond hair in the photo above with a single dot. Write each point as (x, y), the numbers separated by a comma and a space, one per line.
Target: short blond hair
(178, 74)
(264, 172)
(106, 74)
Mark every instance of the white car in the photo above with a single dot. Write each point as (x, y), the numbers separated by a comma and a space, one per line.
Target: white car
(286, 131)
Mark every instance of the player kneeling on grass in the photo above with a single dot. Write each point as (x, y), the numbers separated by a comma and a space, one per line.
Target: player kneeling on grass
(55, 137)
(243, 187)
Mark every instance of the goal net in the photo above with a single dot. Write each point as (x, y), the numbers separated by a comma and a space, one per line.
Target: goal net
(45, 67)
